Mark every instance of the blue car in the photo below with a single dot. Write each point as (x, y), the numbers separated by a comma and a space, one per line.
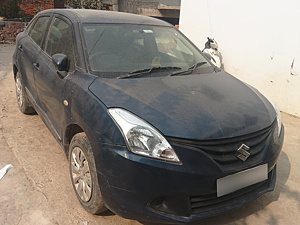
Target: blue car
(152, 130)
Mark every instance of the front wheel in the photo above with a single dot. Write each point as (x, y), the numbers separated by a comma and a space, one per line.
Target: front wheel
(83, 174)
(23, 102)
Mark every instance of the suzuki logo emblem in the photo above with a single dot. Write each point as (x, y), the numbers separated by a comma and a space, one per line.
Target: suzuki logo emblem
(244, 154)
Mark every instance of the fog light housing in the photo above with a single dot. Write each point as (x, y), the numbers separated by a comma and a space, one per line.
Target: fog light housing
(173, 205)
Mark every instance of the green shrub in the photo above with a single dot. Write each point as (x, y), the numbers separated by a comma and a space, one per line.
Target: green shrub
(10, 8)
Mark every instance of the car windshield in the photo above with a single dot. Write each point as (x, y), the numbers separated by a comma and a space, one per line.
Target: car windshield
(116, 49)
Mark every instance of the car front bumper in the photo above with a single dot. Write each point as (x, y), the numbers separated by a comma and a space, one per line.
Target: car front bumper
(151, 190)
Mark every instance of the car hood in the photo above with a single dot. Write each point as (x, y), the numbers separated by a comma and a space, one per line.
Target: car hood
(197, 106)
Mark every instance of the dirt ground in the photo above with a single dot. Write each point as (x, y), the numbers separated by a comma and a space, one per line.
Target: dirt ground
(38, 190)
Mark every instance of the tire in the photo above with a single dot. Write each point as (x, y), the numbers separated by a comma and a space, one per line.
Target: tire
(83, 174)
(23, 102)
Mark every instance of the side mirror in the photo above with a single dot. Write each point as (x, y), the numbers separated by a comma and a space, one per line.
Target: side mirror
(61, 63)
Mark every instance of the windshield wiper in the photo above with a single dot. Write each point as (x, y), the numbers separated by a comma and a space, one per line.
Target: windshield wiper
(189, 70)
(147, 71)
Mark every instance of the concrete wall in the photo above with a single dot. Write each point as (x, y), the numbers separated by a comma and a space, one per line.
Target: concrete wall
(259, 41)
(32, 7)
(150, 8)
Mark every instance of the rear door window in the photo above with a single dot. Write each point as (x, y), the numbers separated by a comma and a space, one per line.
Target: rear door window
(38, 30)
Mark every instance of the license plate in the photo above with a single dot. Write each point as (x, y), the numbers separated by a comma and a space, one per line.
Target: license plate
(231, 183)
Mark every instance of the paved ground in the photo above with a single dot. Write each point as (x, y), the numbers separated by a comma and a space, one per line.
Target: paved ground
(37, 190)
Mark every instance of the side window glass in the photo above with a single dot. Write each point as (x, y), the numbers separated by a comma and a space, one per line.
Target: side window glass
(29, 27)
(38, 30)
(60, 39)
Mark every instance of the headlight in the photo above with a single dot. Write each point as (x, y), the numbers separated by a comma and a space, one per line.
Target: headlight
(141, 137)
(278, 115)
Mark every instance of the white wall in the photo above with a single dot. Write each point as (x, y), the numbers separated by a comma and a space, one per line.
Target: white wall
(258, 39)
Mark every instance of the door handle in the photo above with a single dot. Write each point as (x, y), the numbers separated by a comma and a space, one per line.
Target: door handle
(36, 66)
(20, 47)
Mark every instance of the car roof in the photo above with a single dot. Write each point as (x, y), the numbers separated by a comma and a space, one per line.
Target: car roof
(102, 16)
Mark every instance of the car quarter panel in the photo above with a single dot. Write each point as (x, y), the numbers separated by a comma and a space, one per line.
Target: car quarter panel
(87, 111)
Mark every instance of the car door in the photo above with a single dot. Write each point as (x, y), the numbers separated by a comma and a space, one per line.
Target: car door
(49, 85)
(29, 47)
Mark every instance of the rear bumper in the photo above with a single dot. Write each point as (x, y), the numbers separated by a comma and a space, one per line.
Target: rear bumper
(150, 190)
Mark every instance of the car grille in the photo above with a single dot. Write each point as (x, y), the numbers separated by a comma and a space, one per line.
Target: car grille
(224, 152)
